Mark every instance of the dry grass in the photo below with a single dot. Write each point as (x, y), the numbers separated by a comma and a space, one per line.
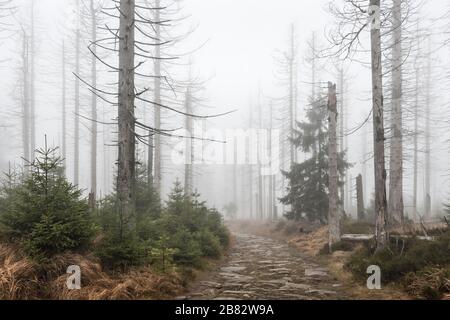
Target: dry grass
(18, 276)
(311, 243)
(21, 278)
(431, 283)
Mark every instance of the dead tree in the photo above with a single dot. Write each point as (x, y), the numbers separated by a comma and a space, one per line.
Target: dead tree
(333, 175)
(352, 21)
(63, 107)
(76, 145)
(25, 98)
(126, 120)
(381, 233)
(189, 148)
(427, 193)
(32, 85)
(93, 10)
(360, 198)
(396, 146)
(157, 162)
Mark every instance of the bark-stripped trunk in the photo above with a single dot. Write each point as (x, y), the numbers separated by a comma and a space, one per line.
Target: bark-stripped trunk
(360, 198)
(250, 166)
(291, 96)
(341, 135)
(64, 111)
(188, 174)
(416, 144)
(25, 101)
(271, 178)
(396, 148)
(333, 178)
(260, 178)
(32, 88)
(381, 234)
(157, 83)
(93, 103)
(76, 153)
(126, 120)
(427, 198)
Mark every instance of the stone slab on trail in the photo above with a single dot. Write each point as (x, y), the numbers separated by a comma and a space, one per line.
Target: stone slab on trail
(260, 268)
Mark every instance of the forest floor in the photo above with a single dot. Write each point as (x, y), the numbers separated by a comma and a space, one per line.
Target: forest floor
(267, 264)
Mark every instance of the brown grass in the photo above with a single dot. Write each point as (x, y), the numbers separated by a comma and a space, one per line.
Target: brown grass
(18, 278)
(21, 278)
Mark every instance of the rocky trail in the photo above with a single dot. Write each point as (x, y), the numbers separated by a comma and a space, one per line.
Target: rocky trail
(260, 268)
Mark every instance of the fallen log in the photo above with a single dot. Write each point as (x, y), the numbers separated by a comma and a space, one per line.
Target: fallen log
(357, 237)
(370, 237)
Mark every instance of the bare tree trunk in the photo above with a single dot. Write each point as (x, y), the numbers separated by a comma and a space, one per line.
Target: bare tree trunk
(76, 155)
(291, 96)
(271, 177)
(157, 98)
(427, 200)
(360, 198)
(260, 178)
(381, 234)
(333, 211)
(416, 139)
(126, 120)
(250, 166)
(93, 103)
(64, 111)
(396, 148)
(32, 88)
(25, 100)
(188, 187)
(341, 135)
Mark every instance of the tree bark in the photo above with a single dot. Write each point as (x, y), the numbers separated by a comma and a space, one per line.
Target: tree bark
(157, 83)
(291, 95)
(64, 111)
(25, 100)
(76, 154)
(427, 196)
(32, 88)
(396, 147)
(333, 178)
(341, 137)
(360, 198)
(93, 103)
(381, 234)
(188, 187)
(126, 119)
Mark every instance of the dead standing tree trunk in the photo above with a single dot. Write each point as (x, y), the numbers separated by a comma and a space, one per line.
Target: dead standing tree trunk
(25, 100)
(157, 97)
(333, 210)
(396, 148)
(126, 119)
(76, 153)
(32, 87)
(360, 198)
(381, 233)
(93, 13)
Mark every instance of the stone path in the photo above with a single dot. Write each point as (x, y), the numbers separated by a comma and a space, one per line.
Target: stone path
(259, 268)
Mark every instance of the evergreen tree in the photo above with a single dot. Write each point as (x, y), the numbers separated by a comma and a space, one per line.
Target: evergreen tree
(307, 190)
(45, 212)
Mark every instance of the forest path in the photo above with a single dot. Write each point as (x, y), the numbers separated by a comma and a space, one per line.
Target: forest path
(259, 268)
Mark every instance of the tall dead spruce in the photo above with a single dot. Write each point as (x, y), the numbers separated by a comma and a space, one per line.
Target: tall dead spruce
(333, 177)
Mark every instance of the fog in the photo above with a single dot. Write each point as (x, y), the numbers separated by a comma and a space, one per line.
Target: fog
(233, 48)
